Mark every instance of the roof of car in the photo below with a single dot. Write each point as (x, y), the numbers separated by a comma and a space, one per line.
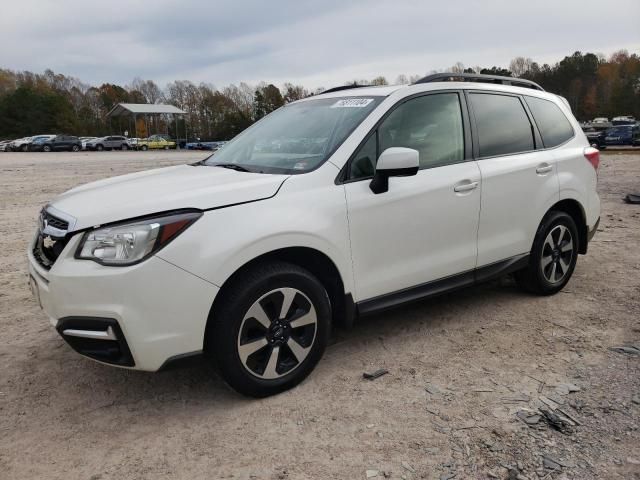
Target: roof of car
(386, 90)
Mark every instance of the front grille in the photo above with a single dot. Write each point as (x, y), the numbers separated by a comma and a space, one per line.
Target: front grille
(47, 249)
(54, 222)
(51, 239)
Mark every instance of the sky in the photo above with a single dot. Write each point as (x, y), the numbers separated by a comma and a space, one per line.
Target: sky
(316, 44)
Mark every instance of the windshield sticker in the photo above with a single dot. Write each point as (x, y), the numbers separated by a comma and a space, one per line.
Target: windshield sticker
(352, 103)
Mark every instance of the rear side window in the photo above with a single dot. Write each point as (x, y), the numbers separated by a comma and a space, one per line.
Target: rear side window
(502, 124)
(552, 123)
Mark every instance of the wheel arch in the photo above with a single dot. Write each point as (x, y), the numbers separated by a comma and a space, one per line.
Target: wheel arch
(311, 259)
(574, 208)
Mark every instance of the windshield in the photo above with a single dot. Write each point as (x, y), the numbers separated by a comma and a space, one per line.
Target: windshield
(296, 138)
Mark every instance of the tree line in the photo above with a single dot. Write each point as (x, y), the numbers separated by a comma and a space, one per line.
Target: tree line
(33, 103)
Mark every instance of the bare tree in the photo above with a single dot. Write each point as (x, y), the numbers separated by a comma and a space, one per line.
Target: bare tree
(457, 68)
(148, 88)
(520, 65)
(402, 79)
(379, 81)
(294, 92)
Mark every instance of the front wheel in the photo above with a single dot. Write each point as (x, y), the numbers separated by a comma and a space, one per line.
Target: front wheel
(270, 330)
(144, 148)
(75, 148)
(124, 147)
(46, 148)
(553, 256)
(99, 148)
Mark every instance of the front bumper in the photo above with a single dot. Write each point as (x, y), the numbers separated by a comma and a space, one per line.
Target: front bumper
(157, 311)
(593, 230)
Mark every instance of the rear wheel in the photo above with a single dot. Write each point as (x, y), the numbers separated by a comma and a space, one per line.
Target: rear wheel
(75, 148)
(271, 329)
(166, 147)
(553, 256)
(99, 148)
(46, 148)
(144, 148)
(124, 147)
(25, 148)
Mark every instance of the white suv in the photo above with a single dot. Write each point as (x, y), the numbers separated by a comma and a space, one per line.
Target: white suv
(328, 209)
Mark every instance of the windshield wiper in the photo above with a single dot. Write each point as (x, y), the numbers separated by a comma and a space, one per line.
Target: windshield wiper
(232, 166)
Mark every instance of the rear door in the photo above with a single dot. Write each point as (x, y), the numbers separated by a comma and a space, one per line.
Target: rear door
(519, 177)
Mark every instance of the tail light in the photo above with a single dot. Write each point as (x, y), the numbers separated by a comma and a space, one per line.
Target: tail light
(593, 155)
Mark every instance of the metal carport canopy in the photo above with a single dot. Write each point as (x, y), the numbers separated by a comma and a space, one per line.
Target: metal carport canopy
(151, 108)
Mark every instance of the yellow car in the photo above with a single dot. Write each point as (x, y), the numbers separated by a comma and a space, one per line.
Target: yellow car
(155, 142)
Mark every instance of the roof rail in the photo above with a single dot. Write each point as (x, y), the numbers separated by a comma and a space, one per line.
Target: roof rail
(477, 77)
(343, 87)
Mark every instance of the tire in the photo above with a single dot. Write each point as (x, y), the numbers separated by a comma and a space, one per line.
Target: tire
(166, 147)
(269, 365)
(46, 148)
(25, 148)
(553, 256)
(124, 147)
(75, 148)
(144, 148)
(99, 148)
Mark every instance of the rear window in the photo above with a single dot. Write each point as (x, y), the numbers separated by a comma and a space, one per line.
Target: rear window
(502, 124)
(552, 123)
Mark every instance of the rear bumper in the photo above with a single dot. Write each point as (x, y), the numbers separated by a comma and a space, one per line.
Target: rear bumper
(135, 317)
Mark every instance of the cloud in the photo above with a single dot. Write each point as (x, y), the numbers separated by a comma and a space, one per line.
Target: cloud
(313, 43)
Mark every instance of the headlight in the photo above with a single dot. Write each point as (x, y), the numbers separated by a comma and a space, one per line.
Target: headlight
(130, 243)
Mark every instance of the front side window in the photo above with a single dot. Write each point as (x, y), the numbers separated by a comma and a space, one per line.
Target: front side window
(296, 138)
(430, 124)
(552, 123)
(502, 124)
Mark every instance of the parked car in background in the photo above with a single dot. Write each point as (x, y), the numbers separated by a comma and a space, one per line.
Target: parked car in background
(198, 145)
(36, 141)
(69, 143)
(600, 120)
(155, 142)
(596, 135)
(112, 142)
(85, 140)
(624, 120)
(19, 145)
(250, 255)
(623, 135)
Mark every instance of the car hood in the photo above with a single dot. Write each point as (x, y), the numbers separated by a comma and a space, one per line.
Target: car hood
(161, 190)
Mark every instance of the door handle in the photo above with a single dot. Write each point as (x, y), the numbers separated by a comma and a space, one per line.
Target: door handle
(465, 187)
(542, 169)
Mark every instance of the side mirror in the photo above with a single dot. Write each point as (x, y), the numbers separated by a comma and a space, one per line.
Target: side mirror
(394, 162)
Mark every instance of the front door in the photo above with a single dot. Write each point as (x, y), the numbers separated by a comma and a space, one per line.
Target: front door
(424, 227)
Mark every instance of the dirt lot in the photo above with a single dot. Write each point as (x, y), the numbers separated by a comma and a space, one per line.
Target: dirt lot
(461, 368)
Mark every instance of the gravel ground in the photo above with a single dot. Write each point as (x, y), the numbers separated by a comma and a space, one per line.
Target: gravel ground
(461, 368)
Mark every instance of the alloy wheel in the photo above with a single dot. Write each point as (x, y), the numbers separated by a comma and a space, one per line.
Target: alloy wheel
(277, 333)
(557, 254)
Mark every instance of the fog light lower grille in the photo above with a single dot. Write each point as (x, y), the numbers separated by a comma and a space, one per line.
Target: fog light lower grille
(97, 338)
